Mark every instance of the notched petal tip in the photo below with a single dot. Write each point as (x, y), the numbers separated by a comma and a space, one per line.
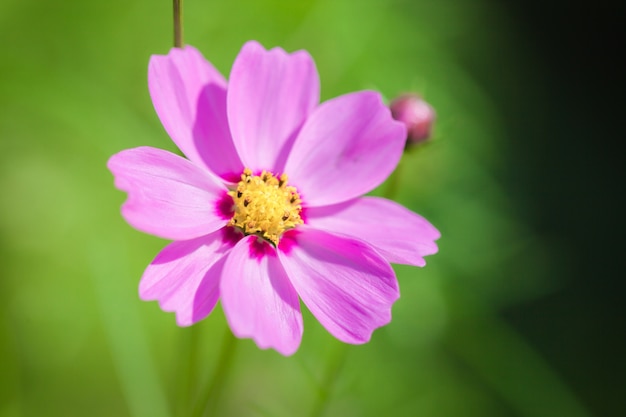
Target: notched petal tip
(168, 196)
(184, 277)
(406, 238)
(252, 46)
(351, 137)
(189, 96)
(344, 282)
(258, 299)
(270, 95)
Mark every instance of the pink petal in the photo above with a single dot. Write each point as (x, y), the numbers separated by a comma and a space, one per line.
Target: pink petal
(168, 196)
(185, 276)
(398, 234)
(270, 95)
(347, 285)
(189, 95)
(348, 146)
(258, 299)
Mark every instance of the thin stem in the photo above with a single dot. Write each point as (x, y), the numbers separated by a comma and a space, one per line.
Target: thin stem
(393, 182)
(209, 400)
(328, 382)
(338, 360)
(178, 23)
(188, 374)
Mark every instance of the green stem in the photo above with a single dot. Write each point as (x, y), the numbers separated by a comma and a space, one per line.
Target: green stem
(328, 382)
(209, 400)
(188, 375)
(393, 182)
(178, 23)
(337, 362)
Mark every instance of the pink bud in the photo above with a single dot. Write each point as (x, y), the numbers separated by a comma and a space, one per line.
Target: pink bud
(417, 115)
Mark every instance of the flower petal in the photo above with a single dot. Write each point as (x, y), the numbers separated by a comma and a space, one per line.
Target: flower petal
(185, 276)
(269, 96)
(258, 299)
(189, 95)
(348, 146)
(168, 196)
(400, 235)
(347, 285)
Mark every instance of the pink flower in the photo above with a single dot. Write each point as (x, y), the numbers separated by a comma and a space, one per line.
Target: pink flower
(267, 207)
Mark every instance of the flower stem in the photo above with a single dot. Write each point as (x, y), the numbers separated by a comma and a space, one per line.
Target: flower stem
(188, 374)
(209, 400)
(178, 23)
(393, 182)
(331, 375)
(338, 360)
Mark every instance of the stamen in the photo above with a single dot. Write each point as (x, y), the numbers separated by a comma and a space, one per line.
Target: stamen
(265, 205)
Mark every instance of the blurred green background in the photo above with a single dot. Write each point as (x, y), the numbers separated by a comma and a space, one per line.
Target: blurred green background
(518, 315)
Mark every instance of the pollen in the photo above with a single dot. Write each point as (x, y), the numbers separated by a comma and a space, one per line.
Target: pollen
(265, 206)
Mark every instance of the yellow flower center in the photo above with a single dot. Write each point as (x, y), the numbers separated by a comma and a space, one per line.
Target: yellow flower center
(265, 205)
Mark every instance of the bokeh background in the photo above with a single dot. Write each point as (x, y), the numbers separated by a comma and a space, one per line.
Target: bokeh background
(520, 314)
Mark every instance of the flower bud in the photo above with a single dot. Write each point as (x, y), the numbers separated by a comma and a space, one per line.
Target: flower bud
(417, 115)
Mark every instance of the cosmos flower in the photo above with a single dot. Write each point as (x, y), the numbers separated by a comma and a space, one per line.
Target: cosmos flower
(267, 208)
